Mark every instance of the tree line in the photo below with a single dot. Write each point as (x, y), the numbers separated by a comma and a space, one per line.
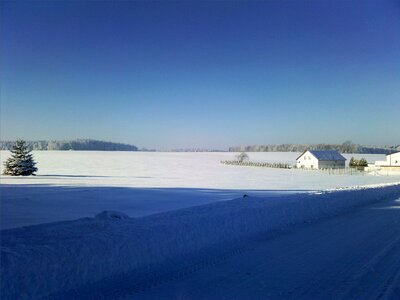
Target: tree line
(79, 144)
(346, 147)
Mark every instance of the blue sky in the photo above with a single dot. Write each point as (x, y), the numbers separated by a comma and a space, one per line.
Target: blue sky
(201, 74)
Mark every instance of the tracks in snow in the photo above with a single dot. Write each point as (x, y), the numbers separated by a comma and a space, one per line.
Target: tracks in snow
(353, 256)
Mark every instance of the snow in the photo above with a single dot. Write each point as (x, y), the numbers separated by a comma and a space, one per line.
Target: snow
(185, 170)
(94, 258)
(350, 256)
(327, 155)
(111, 215)
(76, 184)
(125, 224)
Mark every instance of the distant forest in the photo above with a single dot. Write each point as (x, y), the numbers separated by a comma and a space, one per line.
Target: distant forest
(346, 147)
(80, 144)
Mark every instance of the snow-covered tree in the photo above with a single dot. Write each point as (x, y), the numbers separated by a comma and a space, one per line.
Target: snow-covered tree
(358, 162)
(362, 162)
(353, 162)
(21, 161)
(242, 157)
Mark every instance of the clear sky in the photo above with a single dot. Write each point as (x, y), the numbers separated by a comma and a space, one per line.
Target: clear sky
(201, 74)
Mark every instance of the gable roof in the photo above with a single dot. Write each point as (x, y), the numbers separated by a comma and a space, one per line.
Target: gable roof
(393, 153)
(325, 155)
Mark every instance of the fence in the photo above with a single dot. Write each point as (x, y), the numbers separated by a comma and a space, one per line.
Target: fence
(338, 171)
(257, 164)
(330, 171)
(341, 171)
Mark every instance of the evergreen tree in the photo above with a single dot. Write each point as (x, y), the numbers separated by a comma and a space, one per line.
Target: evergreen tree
(358, 162)
(362, 162)
(21, 161)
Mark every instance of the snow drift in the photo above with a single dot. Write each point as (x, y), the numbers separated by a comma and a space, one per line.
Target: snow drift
(111, 215)
(60, 260)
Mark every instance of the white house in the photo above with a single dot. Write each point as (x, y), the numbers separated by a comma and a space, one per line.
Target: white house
(392, 161)
(320, 159)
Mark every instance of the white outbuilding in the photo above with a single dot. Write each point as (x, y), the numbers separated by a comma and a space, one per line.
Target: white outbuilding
(320, 159)
(392, 162)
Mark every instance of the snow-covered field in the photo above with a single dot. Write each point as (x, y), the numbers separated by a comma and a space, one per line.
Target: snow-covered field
(174, 225)
(171, 169)
(75, 184)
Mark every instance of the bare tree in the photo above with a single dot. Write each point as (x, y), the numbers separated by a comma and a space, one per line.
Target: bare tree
(242, 157)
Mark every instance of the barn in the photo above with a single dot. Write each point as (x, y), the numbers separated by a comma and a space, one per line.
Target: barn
(320, 159)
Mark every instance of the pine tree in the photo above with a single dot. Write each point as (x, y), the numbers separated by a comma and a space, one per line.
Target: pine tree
(21, 161)
(362, 162)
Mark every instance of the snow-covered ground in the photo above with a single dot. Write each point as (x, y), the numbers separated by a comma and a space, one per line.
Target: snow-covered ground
(352, 256)
(75, 184)
(171, 169)
(167, 221)
(113, 256)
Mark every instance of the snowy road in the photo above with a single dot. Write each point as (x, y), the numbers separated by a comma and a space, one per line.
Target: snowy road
(340, 244)
(352, 256)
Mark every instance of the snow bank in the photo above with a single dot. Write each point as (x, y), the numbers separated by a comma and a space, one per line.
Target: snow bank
(111, 215)
(53, 260)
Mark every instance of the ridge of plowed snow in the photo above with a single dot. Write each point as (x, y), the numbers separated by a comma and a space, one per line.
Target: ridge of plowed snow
(53, 259)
